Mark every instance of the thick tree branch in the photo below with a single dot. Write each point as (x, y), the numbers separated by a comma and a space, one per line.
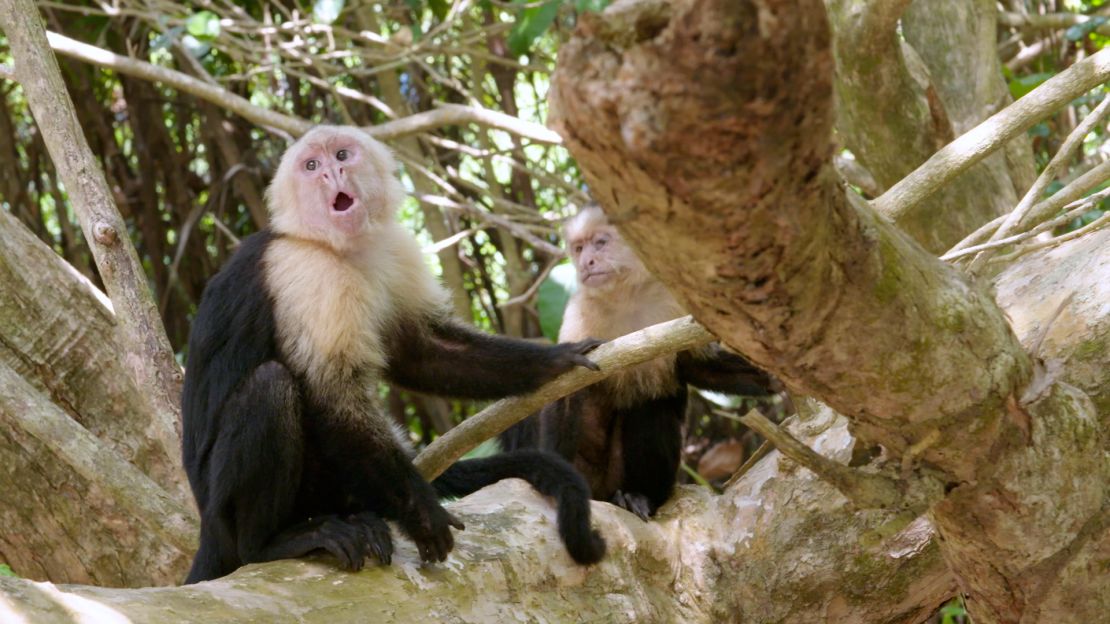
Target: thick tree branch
(641, 346)
(58, 332)
(702, 130)
(149, 355)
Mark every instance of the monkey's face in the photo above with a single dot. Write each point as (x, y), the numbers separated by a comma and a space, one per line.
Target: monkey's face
(334, 185)
(602, 259)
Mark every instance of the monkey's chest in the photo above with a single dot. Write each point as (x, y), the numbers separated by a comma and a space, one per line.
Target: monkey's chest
(330, 317)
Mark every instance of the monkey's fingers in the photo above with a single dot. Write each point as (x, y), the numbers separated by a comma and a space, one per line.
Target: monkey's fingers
(585, 362)
(455, 522)
(636, 503)
(587, 345)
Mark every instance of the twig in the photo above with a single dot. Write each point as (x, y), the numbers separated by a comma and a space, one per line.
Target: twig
(1055, 166)
(526, 295)
(866, 490)
(1046, 208)
(641, 346)
(439, 246)
(459, 114)
(1075, 209)
(763, 451)
(1097, 224)
(956, 157)
(449, 114)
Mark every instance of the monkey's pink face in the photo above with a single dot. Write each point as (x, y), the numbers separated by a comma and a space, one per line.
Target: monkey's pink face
(601, 257)
(333, 185)
(329, 188)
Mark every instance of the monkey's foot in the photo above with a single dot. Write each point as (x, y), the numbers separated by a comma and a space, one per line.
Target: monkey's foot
(376, 534)
(636, 503)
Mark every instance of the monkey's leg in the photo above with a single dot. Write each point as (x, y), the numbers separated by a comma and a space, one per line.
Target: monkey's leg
(445, 358)
(651, 445)
(373, 471)
(252, 471)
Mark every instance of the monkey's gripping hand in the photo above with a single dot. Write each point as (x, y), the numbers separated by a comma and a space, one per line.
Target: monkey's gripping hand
(429, 526)
(571, 354)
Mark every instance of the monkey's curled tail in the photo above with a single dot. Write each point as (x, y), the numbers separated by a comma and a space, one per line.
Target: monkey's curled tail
(550, 475)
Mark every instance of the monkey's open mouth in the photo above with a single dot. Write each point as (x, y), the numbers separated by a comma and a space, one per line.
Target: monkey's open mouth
(342, 202)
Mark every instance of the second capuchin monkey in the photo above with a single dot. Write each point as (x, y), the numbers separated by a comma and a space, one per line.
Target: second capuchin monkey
(285, 444)
(624, 434)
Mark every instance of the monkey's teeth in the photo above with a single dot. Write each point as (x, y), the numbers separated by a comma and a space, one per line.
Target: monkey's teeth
(343, 201)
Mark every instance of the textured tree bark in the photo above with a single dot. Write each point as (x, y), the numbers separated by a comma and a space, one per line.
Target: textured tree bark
(899, 100)
(57, 332)
(707, 124)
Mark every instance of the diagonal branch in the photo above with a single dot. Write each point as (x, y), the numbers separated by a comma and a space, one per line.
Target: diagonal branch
(977, 143)
(641, 346)
(142, 334)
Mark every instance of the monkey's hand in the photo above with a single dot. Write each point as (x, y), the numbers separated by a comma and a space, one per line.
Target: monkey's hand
(429, 526)
(571, 354)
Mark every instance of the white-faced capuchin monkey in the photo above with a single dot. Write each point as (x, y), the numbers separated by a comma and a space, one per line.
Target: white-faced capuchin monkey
(285, 444)
(625, 433)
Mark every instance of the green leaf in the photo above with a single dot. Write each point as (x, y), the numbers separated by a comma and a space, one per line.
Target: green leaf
(203, 25)
(326, 11)
(7, 571)
(590, 6)
(530, 24)
(1080, 31)
(1025, 84)
(439, 8)
(552, 298)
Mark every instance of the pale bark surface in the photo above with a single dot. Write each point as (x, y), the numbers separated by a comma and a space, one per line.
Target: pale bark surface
(147, 352)
(57, 331)
(706, 126)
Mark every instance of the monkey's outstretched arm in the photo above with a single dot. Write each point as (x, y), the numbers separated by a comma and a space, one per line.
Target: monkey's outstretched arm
(445, 358)
(722, 371)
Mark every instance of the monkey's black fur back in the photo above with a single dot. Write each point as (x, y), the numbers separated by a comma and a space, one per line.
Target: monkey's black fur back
(275, 474)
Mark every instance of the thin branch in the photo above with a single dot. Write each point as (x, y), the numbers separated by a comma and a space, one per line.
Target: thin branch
(459, 114)
(641, 346)
(1046, 208)
(1074, 210)
(526, 295)
(1093, 226)
(1058, 163)
(956, 157)
(1050, 21)
(449, 114)
(866, 490)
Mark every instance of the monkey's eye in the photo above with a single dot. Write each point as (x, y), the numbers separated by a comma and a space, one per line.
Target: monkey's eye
(578, 249)
(342, 155)
(312, 164)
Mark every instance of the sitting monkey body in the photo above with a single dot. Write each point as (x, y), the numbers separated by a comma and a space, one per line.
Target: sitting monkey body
(285, 443)
(624, 434)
